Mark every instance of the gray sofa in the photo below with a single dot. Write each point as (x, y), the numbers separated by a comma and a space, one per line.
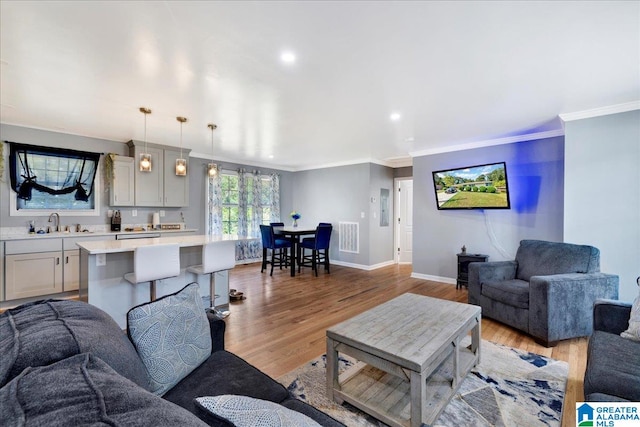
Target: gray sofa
(548, 291)
(67, 363)
(613, 362)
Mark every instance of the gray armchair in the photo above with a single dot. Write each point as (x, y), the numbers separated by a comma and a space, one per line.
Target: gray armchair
(613, 365)
(547, 292)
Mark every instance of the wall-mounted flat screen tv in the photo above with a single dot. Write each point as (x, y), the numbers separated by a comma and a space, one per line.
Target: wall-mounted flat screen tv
(473, 187)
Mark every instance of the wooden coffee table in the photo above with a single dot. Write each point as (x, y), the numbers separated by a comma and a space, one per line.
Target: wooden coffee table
(410, 358)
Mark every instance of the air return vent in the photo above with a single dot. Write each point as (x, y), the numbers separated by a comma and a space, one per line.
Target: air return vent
(349, 233)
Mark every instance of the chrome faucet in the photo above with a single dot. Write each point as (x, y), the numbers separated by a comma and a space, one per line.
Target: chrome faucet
(57, 222)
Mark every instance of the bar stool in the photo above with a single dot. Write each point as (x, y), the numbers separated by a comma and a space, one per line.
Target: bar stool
(319, 246)
(281, 243)
(276, 246)
(216, 256)
(152, 263)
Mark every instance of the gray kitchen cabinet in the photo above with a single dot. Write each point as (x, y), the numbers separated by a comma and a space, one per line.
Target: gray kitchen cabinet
(160, 187)
(43, 266)
(33, 274)
(71, 270)
(149, 186)
(121, 187)
(176, 188)
(2, 271)
(33, 268)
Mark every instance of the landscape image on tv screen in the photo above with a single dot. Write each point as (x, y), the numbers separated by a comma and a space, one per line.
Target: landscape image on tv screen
(473, 187)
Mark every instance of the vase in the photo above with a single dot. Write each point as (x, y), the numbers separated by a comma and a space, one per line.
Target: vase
(295, 222)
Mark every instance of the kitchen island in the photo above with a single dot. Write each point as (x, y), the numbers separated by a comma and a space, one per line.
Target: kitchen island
(104, 263)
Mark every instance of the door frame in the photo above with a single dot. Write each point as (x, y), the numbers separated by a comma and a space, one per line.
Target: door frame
(396, 213)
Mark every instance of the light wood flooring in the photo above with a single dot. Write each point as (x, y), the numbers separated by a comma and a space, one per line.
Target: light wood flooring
(282, 322)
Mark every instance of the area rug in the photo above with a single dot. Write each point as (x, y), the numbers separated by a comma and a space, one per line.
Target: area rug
(509, 387)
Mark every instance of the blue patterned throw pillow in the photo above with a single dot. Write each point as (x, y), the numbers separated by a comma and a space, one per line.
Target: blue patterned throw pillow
(171, 335)
(244, 411)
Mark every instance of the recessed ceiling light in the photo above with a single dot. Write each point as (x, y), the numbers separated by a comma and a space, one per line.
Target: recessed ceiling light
(395, 117)
(410, 139)
(288, 57)
(271, 156)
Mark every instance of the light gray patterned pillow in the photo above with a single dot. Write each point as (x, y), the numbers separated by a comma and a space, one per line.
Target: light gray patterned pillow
(633, 333)
(171, 335)
(244, 411)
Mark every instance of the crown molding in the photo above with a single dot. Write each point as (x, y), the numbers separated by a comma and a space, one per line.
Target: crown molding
(399, 162)
(392, 163)
(242, 162)
(490, 142)
(602, 111)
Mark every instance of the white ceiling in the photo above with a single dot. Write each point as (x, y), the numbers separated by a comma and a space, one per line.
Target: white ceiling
(457, 72)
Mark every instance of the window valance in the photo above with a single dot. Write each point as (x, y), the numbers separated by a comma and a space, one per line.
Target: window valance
(52, 170)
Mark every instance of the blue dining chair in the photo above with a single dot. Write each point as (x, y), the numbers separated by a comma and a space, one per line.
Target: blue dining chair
(279, 240)
(319, 247)
(312, 239)
(278, 248)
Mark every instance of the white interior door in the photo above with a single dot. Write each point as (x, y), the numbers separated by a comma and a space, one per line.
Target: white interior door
(404, 220)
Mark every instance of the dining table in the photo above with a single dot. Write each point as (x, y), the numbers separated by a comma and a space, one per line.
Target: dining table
(293, 233)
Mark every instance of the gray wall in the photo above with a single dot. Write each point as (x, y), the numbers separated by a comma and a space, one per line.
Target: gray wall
(403, 172)
(602, 192)
(194, 214)
(333, 195)
(535, 171)
(345, 193)
(380, 237)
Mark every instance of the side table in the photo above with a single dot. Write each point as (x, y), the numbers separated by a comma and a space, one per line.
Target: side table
(463, 267)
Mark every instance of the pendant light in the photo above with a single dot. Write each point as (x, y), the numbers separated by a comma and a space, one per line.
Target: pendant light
(145, 157)
(212, 168)
(181, 164)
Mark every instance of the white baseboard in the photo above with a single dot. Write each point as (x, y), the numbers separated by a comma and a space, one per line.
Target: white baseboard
(248, 261)
(362, 266)
(441, 279)
(448, 280)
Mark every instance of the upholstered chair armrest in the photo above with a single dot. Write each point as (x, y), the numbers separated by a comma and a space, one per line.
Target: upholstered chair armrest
(611, 315)
(480, 272)
(561, 305)
(217, 331)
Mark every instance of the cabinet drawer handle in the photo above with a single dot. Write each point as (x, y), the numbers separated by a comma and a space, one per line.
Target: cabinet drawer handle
(57, 260)
(66, 260)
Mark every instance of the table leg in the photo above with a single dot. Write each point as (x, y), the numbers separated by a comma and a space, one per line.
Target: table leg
(295, 240)
(332, 369)
(456, 363)
(418, 398)
(475, 339)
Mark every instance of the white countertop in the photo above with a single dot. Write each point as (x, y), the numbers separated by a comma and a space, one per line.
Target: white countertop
(115, 246)
(67, 234)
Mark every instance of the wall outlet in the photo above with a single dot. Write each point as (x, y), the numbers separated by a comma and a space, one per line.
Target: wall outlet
(101, 260)
(110, 213)
(161, 213)
(134, 212)
(361, 214)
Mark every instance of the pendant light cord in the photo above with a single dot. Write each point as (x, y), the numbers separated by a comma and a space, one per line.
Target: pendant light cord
(145, 132)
